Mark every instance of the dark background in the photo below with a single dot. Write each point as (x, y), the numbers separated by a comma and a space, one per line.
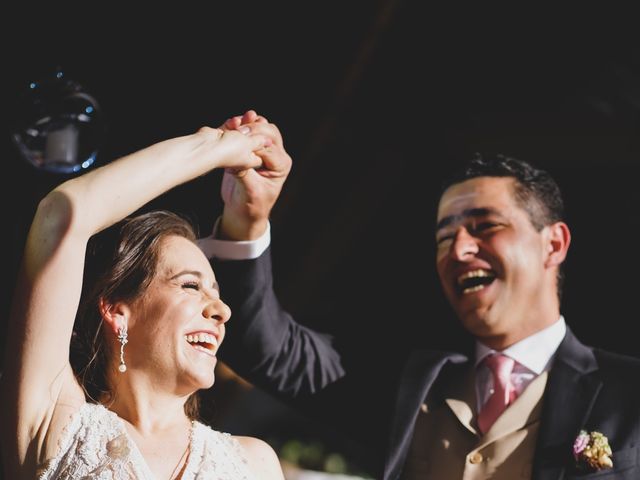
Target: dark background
(375, 100)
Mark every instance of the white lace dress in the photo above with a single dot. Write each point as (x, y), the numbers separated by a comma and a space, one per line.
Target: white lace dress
(95, 446)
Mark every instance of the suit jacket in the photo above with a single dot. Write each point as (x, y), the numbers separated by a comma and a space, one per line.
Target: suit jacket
(378, 403)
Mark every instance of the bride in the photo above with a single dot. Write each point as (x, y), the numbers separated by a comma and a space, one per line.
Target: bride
(148, 322)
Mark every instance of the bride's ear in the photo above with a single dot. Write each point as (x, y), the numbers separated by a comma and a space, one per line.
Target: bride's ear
(115, 315)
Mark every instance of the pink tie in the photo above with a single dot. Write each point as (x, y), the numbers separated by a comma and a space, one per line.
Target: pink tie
(503, 393)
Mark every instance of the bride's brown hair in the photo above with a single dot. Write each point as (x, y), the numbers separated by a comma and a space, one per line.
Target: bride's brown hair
(120, 263)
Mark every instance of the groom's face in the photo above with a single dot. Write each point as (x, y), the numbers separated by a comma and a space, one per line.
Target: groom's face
(490, 258)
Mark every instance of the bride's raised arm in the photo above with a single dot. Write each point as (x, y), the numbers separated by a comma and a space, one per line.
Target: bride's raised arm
(39, 391)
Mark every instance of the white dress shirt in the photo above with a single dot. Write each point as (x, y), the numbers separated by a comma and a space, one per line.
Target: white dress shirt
(234, 250)
(533, 355)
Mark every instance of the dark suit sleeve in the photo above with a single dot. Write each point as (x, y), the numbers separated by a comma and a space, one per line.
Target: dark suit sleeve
(351, 392)
(264, 344)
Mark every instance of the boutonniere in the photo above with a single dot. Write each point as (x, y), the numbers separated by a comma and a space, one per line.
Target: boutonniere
(592, 451)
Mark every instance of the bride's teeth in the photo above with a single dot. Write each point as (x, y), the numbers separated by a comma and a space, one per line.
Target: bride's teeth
(202, 338)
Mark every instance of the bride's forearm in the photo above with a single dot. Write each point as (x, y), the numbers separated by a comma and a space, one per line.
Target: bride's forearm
(104, 196)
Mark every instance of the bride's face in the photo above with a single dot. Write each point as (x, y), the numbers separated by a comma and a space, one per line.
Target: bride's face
(178, 324)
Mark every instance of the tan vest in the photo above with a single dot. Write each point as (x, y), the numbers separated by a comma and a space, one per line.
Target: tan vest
(447, 445)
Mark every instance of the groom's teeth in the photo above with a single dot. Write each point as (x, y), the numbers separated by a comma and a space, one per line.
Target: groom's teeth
(473, 289)
(473, 274)
(474, 280)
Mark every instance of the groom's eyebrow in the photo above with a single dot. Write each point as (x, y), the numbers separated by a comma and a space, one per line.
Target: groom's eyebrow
(471, 212)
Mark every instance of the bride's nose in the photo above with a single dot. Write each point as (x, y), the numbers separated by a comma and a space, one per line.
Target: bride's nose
(217, 311)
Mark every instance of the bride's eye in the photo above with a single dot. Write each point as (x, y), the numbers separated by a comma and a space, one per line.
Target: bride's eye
(192, 285)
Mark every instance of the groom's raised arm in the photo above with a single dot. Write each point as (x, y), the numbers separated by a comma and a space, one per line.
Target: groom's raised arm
(265, 344)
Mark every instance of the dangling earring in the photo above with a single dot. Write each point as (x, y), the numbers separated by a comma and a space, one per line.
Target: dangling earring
(122, 338)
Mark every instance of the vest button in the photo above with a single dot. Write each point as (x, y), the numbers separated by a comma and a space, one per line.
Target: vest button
(475, 457)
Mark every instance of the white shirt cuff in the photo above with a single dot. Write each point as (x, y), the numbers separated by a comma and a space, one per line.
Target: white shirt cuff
(234, 250)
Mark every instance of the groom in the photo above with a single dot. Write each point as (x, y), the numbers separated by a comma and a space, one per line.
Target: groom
(513, 407)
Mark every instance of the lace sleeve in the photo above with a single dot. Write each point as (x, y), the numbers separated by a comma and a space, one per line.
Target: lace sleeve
(219, 455)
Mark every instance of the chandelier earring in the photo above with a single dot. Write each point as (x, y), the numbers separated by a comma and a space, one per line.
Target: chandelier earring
(122, 338)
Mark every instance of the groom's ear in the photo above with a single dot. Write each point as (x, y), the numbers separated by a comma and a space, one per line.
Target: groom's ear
(558, 239)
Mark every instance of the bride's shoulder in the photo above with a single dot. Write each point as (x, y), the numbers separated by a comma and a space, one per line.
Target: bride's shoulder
(232, 455)
(261, 457)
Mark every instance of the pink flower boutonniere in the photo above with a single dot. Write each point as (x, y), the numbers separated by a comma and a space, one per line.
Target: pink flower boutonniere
(592, 451)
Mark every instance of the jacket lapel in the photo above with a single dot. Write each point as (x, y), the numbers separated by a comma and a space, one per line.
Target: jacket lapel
(418, 376)
(572, 389)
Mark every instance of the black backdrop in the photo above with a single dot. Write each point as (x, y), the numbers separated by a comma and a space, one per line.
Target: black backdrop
(375, 100)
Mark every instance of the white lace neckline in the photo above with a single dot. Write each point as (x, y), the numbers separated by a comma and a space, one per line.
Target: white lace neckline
(95, 444)
(138, 459)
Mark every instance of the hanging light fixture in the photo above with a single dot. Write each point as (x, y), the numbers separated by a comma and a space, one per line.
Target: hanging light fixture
(59, 127)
